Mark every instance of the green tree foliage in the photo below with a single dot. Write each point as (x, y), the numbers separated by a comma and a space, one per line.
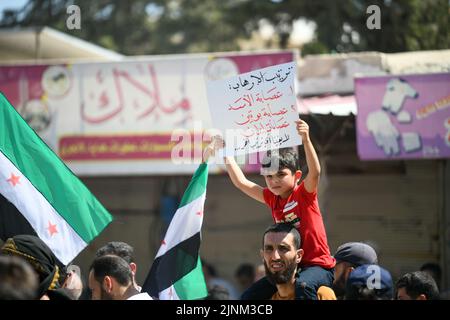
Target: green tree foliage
(115, 24)
(192, 26)
(341, 24)
(179, 26)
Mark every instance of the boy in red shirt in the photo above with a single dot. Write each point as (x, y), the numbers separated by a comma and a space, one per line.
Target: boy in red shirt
(297, 204)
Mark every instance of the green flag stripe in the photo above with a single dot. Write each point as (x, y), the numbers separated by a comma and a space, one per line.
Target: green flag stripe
(49, 175)
(197, 186)
(192, 286)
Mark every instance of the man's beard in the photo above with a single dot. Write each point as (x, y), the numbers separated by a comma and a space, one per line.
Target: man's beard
(281, 277)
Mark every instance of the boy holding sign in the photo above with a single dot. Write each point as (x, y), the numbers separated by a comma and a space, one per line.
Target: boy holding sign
(291, 202)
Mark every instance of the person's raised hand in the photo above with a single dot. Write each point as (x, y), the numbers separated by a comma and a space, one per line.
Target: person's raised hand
(302, 129)
(215, 144)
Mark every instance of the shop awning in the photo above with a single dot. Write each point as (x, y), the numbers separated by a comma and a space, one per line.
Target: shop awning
(46, 43)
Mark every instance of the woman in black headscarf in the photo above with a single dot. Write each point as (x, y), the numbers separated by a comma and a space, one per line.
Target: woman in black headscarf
(43, 261)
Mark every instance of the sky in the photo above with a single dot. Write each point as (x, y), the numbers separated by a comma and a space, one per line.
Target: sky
(11, 4)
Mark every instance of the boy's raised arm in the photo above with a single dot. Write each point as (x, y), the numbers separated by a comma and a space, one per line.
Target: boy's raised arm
(241, 182)
(312, 161)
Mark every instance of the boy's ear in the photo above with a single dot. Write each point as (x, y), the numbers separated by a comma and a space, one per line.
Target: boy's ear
(298, 175)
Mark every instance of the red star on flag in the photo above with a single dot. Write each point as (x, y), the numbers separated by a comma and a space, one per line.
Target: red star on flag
(163, 242)
(199, 213)
(52, 229)
(14, 179)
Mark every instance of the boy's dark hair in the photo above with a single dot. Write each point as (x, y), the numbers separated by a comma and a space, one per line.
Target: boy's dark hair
(113, 266)
(286, 158)
(417, 283)
(284, 227)
(117, 248)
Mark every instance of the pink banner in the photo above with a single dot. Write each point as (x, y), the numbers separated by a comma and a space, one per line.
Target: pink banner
(403, 117)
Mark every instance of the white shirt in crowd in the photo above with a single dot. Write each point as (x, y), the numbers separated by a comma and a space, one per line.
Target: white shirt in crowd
(140, 296)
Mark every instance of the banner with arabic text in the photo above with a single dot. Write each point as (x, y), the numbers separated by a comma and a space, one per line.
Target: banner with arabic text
(256, 111)
(128, 117)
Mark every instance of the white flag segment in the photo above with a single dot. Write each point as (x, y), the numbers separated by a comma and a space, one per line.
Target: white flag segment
(48, 224)
(186, 222)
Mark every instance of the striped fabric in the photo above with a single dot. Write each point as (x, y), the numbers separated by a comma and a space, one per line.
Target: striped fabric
(40, 195)
(176, 273)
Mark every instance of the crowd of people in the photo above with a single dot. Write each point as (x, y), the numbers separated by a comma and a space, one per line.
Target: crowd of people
(29, 271)
(357, 274)
(297, 262)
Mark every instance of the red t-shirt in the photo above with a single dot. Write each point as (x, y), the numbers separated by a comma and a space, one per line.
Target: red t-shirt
(302, 209)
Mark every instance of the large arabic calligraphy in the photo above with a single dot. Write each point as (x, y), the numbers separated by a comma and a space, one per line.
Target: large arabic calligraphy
(114, 92)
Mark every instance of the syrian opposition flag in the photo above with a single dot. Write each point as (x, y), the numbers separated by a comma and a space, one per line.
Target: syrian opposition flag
(39, 195)
(176, 273)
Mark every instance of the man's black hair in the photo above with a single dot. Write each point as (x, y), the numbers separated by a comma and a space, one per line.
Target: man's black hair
(417, 283)
(113, 266)
(435, 269)
(286, 158)
(287, 228)
(117, 248)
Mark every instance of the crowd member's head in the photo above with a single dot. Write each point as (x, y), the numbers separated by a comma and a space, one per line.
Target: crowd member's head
(217, 292)
(417, 285)
(281, 254)
(348, 257)
(43, 261)
(117, 248)
(212, 279)
(245, 276)
(73, 285)
(369, 282)
(434, 270)
(18, 281)
(209, 272)
(123, 250)
(110, 278)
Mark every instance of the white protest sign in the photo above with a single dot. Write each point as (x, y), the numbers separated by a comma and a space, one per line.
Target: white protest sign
(256, 111)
